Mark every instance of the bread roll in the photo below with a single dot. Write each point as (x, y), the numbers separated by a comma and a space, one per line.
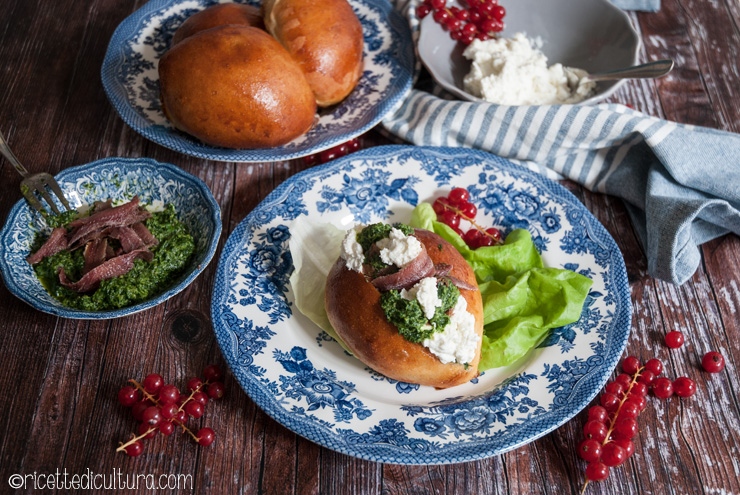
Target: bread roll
(325, 38)
(236, 87)
(219, 15)
(354, 310)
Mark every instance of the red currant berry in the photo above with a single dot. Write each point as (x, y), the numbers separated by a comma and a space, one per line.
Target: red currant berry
(625, 428)
(449, 218)
(206, 436)
(311, 160)
(684, 386)
(354, 145)
(167, 428)
(441, 205)
(631, 365)
(441, 16)
(200, 397)
(494, 234)
(216, 390)
(194, 383)
(713, 362)
(128, 396)
(152, 383)
(134, 449)
(615, 388)
(609, 401)
(638, 400)
(472, 238)
(194, 409)
(595, 430)
(629, 409)
(168, 411)
(663, 388)
(437, 4)
(655, 365)
(647, 377)
(168, 394)
(181, 416)
(458, 196)
(468, 210)
(423, 10)
(639, 388)
(627, 445)
(613, 455)
(598, 413)
(151, 416)
(674, 339)
(589, 450)
(213, 373)
(597, 471)
(624, 379)
(146, 431)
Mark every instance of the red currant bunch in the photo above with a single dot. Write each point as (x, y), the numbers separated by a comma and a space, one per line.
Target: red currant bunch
(477, 19)
(612, 424)
(333, 153)
(160, 407)
(455, 208)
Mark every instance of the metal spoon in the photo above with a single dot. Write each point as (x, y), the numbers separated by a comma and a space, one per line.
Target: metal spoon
(643, 71)
(578, 77)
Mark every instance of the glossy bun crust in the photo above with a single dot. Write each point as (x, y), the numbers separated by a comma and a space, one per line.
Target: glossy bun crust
(236, 87)
(353, 307)
(325, 37)
(219, 15)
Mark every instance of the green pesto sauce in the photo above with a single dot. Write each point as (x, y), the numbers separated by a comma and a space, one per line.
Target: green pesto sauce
(408, 315)
(146, 279)
(62, 219)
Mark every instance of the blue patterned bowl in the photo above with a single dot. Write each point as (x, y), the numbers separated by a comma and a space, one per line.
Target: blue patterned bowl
(118, 179)
(131, 81)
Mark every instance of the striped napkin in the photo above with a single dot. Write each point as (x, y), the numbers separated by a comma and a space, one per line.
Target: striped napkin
(681, 183)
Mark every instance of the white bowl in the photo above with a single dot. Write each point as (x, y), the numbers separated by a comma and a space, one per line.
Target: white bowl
(593, 35)
(118, 179)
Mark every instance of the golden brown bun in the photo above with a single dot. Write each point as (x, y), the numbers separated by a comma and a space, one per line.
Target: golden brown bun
(219, 15)
(236, 87)
(353, 307)
(325, 37)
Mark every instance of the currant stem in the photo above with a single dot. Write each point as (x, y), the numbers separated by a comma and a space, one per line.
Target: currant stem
(122, 446)
(479, 228)
(146, 394)
(192, 393)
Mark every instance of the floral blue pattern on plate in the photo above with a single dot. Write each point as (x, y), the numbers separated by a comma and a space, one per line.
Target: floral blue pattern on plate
(119, 179)
(302, 378)
(131, 81)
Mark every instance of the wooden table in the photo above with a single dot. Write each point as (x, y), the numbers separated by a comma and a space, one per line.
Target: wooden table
(59, 378)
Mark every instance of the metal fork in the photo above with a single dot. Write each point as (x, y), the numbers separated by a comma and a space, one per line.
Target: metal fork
(40, 183)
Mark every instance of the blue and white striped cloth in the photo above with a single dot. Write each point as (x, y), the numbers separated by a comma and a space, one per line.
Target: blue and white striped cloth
(681, 183)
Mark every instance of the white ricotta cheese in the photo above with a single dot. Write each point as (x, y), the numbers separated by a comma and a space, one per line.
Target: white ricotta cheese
(398, 248)
(458, 341)
(425, 292)
(352, 252)
(513, 71)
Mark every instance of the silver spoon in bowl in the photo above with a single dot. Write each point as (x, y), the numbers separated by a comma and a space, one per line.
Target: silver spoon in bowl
(649, 70)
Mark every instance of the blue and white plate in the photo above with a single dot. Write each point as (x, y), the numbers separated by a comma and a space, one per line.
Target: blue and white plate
(131, 80)
(119, 179)
(303, 379)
